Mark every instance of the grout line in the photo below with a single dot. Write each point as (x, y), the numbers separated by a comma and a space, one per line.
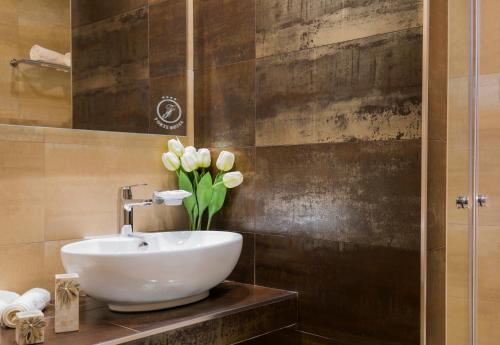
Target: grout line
(254, 258)
(316, 143)
(121, 326)
(266, 333)
(295, 51)
(145, 6)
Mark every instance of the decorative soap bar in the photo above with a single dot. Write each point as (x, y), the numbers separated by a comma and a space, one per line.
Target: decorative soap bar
(67, 303)
(30, 327)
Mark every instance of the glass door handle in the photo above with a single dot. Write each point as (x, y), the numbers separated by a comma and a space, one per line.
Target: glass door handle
(462, 201)
(481, 200)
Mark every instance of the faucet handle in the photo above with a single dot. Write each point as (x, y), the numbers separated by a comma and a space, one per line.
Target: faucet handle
(126, 191)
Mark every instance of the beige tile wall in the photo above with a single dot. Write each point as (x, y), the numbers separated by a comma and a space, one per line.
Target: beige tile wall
(58, 185)
(32, 95)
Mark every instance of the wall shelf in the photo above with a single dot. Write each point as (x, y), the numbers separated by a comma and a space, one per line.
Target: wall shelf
(62, 68)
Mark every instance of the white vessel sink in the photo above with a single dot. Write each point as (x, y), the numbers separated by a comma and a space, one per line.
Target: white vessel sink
(175, 268)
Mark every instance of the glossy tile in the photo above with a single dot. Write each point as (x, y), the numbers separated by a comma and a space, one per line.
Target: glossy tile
(348, 292)
(297, 25)
(167, 52)
(8, 49)
(22, 183)
(229, 298)
(90, 11)
(290, 336)
(25, 258)
(238, 213)
(90, 332)
(122, 108)
(168, 86)
(436, 296)
(31, 95)
(95, 175)
(230, 329)
(436, 205)
(52, 262)
(363, 193)
(438, 65)
(367, 89)
(111, 52)
(225, 32)
(225, 106)
(244, 272)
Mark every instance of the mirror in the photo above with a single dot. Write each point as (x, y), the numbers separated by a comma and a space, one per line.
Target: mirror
(95, 65)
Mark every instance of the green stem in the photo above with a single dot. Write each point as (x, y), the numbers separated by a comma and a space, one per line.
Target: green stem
(217, 184)
(209, 221)
(200, 217)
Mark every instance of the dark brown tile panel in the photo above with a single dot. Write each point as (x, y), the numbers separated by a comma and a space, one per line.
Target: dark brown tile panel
(438, 68)
(90, 11)
(91, 332)
(244, 270)
(231, 328)
(284, 26)
(436, 189)
(168, 86)
(436, 296)
(233, 312)
(121, 108)
(367, 89)
(225, 106)
(111, 52)
(224, 32)
(226, 299)
(167, 38)
(351, 293)
(238, 213)
(365, 193)
(290, 336)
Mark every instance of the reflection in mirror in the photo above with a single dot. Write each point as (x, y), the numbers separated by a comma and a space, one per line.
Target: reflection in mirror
(96, 65)
(32, 94)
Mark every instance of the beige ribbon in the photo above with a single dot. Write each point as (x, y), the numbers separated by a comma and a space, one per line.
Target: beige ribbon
(32, 330)
(67, 291)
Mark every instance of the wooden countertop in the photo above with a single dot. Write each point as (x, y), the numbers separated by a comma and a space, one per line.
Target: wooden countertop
(233, 312)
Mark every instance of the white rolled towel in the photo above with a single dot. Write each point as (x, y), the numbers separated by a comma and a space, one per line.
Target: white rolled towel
(34, 299)
(6, 298)
(43, 54)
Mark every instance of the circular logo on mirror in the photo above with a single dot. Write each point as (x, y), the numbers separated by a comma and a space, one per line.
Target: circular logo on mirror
(168, 113)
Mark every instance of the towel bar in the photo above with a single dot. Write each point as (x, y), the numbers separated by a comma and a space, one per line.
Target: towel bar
(63, 68)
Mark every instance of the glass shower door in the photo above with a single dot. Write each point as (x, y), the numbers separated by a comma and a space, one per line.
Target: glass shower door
(487, 313)
(458, 268)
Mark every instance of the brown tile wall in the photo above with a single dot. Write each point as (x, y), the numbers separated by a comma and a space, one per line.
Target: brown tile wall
(437, 164)
(31, 95)
(321, 103)
(127, 55)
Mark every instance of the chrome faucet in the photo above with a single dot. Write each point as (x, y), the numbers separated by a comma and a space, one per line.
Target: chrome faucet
(126, 204)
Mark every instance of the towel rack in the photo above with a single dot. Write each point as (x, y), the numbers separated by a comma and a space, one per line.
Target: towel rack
(63, 68)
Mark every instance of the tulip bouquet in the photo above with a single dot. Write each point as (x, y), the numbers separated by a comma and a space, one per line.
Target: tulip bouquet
(192, 169)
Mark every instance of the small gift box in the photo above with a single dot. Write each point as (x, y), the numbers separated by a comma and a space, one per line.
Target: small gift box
(67, 300)
(30, 327)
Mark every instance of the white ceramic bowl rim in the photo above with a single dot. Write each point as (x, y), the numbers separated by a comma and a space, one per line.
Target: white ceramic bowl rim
(73, 248)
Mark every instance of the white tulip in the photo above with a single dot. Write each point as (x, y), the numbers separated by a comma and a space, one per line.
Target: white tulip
(225, 161)
(190, 149)
(175, 146)
(232, 179)
(189, 162)
(204, 159)
(171, 161)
